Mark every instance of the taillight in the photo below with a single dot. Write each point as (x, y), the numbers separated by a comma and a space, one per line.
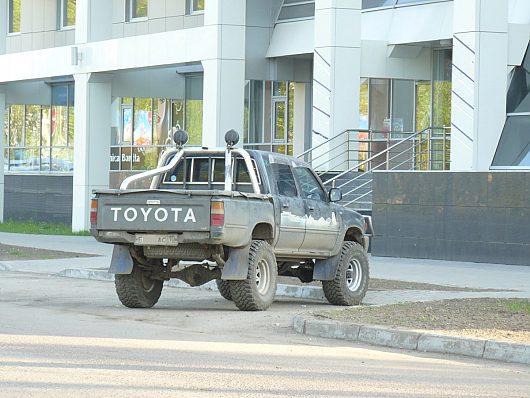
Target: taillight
(217, 216)
(93, 212)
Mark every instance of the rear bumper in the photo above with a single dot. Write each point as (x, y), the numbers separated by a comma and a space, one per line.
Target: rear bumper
(121, 237)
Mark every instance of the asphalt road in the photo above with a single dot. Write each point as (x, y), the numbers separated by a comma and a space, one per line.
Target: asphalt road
(63, 337)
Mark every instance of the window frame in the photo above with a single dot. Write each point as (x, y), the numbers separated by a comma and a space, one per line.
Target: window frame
(63, 15)
(130, 6)
(10, 19)
(192, 10)
(44, 163)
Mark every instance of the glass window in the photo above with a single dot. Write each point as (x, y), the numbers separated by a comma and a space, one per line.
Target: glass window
(442, 86)
(363, 104)
(423, 104)
(514, 145)
(68, 10)
(16, 125)
(380, 104)
(283, 176)
(279, 120)
(14, 16)
(201, 166)
(143, 121)
(255, 112)
(296, 10)
(309, 186)
(36, 138)
(402, 105)
(136, 9)
(378, 3)
(194, 109)
(196, 6)
(33, 125)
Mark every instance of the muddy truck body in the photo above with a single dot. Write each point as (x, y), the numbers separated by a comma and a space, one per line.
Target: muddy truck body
(240, 217)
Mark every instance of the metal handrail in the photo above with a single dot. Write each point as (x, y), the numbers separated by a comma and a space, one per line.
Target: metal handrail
(421, 147)
(384, 152)
(331, 139)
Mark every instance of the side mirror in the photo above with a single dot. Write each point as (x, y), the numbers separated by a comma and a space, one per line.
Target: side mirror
(335, 195)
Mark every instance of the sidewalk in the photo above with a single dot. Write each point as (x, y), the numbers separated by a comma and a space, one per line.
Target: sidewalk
(515, 279)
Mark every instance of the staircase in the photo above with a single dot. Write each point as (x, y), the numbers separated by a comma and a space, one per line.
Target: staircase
(358, 153)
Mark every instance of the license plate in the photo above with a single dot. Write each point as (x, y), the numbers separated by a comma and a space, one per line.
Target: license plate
(157, 240)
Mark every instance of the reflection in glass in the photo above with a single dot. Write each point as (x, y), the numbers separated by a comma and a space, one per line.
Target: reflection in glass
(33, 119)
(59, 125)
(514, 145)
(16, 125)
(14, 16)
(279, 120)
(380, 104)
(442, 86)
(402, 105)
(423, 105)
(46, 126)
(143, 127)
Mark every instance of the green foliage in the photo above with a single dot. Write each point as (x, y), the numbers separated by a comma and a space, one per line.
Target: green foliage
(518, 307)
(39, 228)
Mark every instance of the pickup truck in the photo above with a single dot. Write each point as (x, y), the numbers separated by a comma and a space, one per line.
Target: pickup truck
(246, 216)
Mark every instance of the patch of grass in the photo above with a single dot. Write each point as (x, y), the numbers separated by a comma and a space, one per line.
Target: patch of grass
(518, 307)
(39, 228)
(15, 253)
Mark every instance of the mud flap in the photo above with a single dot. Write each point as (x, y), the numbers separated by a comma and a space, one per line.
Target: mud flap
(236, 267)
(325, 270)
(122, 262)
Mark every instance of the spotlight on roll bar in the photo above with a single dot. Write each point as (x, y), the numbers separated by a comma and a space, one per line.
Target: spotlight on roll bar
(231, 138)
(180, 137)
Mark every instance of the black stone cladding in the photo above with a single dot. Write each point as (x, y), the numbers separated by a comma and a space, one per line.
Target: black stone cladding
(462, 216)
(38, 198)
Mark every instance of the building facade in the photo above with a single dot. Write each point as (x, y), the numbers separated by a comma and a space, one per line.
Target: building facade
(92, 88)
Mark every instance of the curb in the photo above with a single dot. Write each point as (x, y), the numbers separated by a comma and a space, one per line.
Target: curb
(292, 291)
(413, 340)
(4, 267)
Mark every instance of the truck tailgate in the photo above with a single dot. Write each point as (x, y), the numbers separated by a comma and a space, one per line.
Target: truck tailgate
(153, 211)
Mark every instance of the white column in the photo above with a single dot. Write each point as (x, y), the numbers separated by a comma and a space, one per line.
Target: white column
(224, 70)
(480, 57)
(2, 116)
(91, 143)
(336, 74)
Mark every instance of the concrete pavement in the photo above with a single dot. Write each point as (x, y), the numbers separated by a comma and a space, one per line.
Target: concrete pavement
(515, 279)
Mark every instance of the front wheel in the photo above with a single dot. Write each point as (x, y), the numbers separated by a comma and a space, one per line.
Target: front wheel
(138, 289)
(351, 278)
(256, 293)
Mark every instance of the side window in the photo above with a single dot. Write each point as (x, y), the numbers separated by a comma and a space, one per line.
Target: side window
(309, 186)
(284, 180)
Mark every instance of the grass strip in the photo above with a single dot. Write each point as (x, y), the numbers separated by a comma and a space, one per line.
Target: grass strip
(39, 228)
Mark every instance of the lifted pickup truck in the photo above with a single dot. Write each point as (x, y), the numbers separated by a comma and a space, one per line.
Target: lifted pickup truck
(248, 215)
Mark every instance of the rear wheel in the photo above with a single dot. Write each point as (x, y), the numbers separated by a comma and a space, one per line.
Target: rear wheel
(351, 279)
(224, 289)
(138, 289)
(256, 293)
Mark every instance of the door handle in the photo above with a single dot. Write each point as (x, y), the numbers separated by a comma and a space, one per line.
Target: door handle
(285, 205)
(311, 208)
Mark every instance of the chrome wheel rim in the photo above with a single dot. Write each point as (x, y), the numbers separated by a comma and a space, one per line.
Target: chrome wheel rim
(353, 275)
(262, 276)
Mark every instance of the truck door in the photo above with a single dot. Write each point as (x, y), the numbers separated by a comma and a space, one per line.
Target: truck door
(322, 225)
(292, 222)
